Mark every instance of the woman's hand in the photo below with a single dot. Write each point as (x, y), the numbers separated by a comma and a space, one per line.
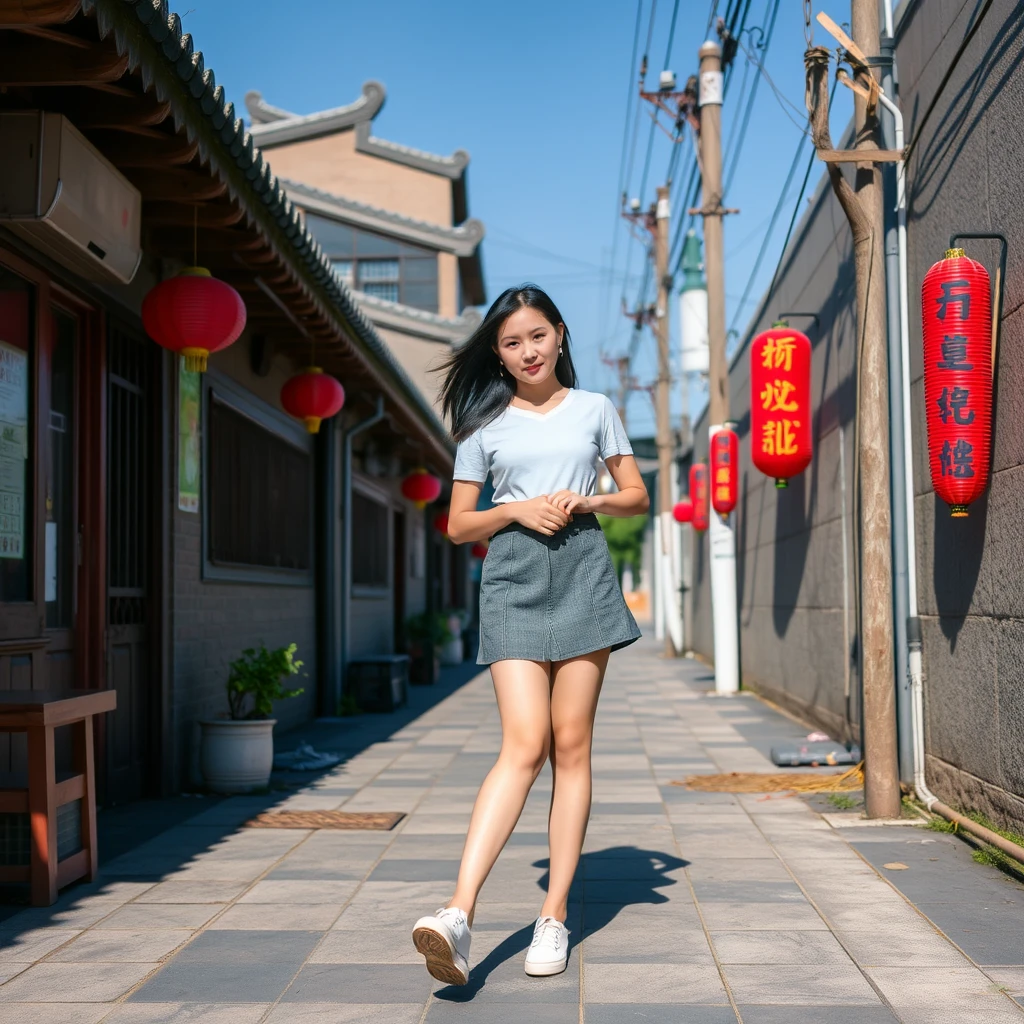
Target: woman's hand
(540, 514)
(570, 501)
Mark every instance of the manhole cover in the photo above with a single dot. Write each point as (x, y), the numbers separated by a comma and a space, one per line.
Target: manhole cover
(381, 821)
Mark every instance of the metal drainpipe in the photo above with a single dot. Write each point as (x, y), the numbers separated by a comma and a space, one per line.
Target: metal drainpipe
(345, 601)
(902, 499)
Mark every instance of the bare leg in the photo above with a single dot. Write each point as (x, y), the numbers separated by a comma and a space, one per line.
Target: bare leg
(523, 689)
(576, 686)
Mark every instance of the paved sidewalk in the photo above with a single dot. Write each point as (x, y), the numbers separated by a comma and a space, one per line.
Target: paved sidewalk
(696, 907)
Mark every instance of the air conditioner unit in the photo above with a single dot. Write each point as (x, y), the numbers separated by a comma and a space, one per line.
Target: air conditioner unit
(61, 194)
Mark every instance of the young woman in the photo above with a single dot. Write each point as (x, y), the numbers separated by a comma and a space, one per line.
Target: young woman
(550, 605)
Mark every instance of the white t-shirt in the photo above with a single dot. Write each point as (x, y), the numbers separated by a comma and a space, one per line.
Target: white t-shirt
(531, 453)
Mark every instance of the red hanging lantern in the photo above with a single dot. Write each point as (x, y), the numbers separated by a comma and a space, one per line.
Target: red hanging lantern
(780, 403)
(479, 550)
(312, 396)
(699, 495)
(725, 453)
(441, 523)
(193, 314)
(682, 511)
(957, 322)
(421, 488)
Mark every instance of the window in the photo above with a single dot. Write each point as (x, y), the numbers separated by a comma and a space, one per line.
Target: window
(17, 325)
(369, 542)
(376, 265)
(259, 489)
(380, 278)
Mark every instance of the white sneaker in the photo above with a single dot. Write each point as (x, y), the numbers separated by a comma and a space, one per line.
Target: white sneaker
(444, 940)
(549, 951)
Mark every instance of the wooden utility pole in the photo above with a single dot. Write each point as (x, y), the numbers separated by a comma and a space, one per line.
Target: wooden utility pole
(714, 245)
(862, 204)
(664, 429)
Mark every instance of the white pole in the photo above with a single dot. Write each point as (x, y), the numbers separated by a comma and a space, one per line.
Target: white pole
(722, 544)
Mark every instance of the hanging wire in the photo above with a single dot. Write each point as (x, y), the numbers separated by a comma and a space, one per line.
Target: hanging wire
(195, 234)
(808, 24)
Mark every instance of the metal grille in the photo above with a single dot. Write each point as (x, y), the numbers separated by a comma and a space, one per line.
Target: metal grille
(128, 445)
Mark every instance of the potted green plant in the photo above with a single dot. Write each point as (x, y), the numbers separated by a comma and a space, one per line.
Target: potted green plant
(237, 751)
(425, 634)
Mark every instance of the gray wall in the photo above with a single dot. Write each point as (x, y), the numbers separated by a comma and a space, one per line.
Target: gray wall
(964, 175)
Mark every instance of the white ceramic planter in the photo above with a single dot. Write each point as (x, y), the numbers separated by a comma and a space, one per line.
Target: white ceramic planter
(451, 652)
(236, 757)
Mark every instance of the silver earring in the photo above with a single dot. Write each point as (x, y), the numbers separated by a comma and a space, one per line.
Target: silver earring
(559, 349)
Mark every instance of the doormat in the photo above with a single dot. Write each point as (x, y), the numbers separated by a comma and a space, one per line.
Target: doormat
(379, 821)
(782, 782)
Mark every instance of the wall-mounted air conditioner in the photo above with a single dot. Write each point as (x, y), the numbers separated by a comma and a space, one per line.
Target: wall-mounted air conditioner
(62, 195)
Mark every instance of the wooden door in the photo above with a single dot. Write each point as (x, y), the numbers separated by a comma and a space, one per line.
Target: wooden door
(131, 734)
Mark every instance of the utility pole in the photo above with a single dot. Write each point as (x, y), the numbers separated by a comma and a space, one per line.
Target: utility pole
(664, 428)
(721, 533)
(862, 204)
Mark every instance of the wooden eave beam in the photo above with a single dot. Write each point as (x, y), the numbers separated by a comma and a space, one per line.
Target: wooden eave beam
(37, 12)
(28, 61)
(204, 216)
(175, 184)
(94, 110)
(183, 238)
(150, 150)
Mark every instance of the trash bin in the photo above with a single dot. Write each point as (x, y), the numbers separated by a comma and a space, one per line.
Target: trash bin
(379, 683)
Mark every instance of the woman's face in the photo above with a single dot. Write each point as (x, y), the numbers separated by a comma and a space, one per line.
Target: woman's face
(528, 345)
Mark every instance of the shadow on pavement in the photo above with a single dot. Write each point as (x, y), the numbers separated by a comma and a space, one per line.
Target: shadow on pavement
(606, 882)
(130, 827)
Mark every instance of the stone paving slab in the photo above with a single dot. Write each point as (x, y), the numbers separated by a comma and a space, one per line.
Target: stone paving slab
(700, 907)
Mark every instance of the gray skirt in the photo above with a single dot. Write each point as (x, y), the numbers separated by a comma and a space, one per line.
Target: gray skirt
(551, 598)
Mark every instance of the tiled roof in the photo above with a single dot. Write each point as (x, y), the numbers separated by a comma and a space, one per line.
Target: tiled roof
(272, 126)
(164, 57)
(462, 240)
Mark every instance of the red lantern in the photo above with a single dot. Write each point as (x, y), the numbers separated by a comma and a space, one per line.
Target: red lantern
(682, 511)
(957, 314)
(193, 314)
(441, 523)
(780, 403)
(421, 488)
(725, 453)
(699, 495)
(312, 396)
(479, 550)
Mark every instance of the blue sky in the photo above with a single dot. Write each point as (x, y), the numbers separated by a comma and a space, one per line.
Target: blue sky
(537, 94)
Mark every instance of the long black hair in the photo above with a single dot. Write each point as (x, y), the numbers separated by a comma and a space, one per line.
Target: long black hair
(475, 390)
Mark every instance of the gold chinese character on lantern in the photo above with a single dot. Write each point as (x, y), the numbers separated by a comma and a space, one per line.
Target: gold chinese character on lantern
(722, 494)
(777, 354)
(777, 396)
(722, 475)
(778, 438)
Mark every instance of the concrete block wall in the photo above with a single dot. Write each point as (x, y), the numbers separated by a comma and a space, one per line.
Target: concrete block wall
(964, 176)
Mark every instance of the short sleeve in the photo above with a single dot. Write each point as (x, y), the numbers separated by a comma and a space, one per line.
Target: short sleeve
(613, 434)
(471, 461)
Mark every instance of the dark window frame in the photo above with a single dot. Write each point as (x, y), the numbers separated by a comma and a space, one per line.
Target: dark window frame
(221, 389)
(368, 493)
(406, 252)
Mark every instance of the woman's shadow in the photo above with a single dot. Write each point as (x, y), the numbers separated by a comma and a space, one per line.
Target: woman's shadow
(605, 882)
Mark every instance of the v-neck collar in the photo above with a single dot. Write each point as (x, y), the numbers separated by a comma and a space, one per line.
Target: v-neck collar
(543, 415)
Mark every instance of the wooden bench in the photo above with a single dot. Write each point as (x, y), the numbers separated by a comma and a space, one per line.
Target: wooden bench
(38, 713)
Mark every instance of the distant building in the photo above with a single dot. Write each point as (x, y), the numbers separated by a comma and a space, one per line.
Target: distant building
(393, 220)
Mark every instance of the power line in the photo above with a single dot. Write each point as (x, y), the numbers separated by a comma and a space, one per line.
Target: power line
(789, 230)
(767, 41)
(622, 158)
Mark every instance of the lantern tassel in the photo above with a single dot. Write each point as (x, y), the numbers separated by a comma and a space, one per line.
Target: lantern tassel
(781, 484)
(958, 511)
(195, 359)
(313, 424)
